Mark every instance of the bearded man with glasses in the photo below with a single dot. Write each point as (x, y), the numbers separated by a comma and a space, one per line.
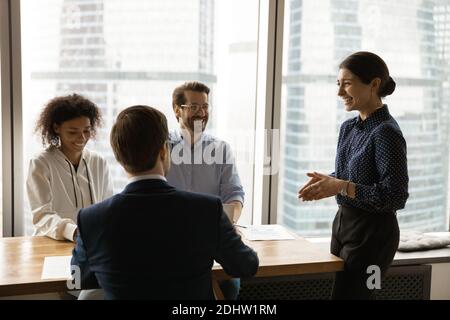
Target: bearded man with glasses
(201, 162)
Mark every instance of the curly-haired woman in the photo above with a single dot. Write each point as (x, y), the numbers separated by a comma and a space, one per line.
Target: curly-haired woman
(66, 177)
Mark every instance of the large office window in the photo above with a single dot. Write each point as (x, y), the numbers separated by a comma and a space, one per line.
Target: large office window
(414, 39)
(120, 53)
(1, 159)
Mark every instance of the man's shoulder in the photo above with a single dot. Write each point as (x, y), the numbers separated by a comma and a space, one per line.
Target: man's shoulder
(196, 197)
(204, 206)
(212, 138)
(174, 136)
(99, 207)
(176, 196)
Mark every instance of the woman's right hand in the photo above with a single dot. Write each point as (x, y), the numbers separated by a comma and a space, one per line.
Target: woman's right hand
(310, 182)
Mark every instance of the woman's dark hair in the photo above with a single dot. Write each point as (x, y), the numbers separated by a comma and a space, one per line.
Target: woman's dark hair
(368, 66)
(137, 137)
(65, 108)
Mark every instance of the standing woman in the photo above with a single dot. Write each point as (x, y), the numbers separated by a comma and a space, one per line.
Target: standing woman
(66, 177)
(370, 181)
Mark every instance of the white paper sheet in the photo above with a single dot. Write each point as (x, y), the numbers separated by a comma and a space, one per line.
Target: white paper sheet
(266, 232)
(57, 267)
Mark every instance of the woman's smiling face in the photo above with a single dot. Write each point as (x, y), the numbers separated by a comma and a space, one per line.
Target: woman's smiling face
(355, 94)
(74, 134)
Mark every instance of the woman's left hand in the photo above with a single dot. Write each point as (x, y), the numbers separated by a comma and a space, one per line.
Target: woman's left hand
(325, 187)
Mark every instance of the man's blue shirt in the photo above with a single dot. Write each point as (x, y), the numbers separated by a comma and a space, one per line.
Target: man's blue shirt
(207, 167)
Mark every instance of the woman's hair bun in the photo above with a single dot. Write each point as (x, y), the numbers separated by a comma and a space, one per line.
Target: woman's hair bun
(389, 88)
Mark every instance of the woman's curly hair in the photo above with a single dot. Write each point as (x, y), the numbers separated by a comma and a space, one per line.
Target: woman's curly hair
(65, 108)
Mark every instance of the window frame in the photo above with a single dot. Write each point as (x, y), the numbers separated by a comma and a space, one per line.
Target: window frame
(11, 93)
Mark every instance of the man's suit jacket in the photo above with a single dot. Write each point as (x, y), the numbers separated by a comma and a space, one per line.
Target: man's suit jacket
(152, 241)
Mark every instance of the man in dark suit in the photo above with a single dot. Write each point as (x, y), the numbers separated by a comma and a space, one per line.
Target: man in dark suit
(152, 241)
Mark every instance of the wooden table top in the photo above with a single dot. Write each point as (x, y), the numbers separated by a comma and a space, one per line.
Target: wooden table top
(290, 257)
(22, 259)
(21, 262)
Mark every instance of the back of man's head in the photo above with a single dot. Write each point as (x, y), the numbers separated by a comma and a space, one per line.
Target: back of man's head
(138, 136)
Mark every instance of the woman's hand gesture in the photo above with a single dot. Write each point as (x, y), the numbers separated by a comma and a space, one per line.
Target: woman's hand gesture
(320, 186)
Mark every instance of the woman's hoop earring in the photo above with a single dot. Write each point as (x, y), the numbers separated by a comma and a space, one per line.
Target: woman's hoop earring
(54, 141)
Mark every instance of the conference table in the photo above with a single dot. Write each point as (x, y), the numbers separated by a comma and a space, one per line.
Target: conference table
(22, 260)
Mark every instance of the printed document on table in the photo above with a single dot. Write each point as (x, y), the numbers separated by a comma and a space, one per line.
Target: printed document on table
(266, 232)
(57, 267)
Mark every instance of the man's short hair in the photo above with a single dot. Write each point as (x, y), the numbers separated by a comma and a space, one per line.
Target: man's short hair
(137, 137)
(178, 97)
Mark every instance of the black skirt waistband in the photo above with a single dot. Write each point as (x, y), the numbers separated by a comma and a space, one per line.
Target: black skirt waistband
(355, 210)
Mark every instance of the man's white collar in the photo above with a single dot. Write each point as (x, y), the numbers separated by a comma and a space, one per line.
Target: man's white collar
(146, 177)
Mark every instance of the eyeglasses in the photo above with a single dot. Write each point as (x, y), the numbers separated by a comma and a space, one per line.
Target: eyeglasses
(196, 107)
